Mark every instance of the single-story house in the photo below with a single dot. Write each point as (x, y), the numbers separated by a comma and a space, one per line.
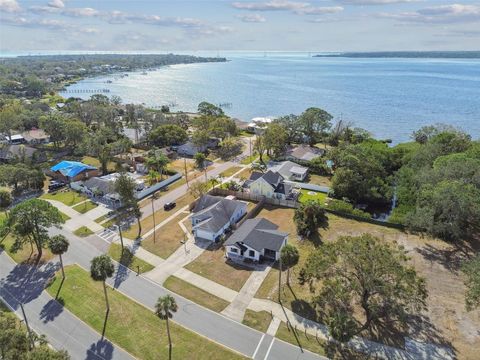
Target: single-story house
(258, 125)
(290, 170)
(36, 136)
(104, 186)
(271, 185)
(9, 153)
(15, 139)
(304, 153)
(213, 215)
(189, 149)
(256, 239)
(74, 170)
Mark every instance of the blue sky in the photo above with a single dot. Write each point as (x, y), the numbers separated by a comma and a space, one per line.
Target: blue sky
(282, 25)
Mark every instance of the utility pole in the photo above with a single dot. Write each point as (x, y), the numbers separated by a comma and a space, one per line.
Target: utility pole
(280, 279)
(153, 198)
(186, 175)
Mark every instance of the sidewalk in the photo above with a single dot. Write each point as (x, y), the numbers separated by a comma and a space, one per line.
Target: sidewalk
(46, 316)
(76, 220)
(236, 310)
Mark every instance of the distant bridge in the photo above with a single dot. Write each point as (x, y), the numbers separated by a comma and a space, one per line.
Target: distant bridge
(86, 91)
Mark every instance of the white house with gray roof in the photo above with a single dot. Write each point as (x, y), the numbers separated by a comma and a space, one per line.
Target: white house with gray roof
(290, 170)
(213, 215)
(256, 239)
(271, 185)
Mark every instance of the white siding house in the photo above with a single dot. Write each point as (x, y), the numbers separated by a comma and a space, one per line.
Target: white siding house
(255, 240)
(213, 215)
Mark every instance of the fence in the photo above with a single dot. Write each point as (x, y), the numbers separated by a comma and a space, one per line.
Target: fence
(150, 190)
(313, 187)
(257, 198)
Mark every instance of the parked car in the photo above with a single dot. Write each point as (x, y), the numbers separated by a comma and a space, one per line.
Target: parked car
(55, 185)
(169, 206)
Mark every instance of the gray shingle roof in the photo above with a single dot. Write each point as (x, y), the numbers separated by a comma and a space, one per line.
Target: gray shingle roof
(215, 211)
(258, 234)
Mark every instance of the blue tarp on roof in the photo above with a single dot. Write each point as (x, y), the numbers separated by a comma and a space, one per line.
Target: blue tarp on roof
(71, 168)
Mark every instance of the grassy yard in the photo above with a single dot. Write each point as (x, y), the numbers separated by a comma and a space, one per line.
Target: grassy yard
(308, 342)
(245, 174)
(167, 238)
(230, 171)
(319, 180)
(298, 296)
(83, 231)
(249, 159)
(213, 265)
(101, 218)
(85, 207)
(306, 195)
(26, 254)
(88, 160)
(160, 215)
(195, 294)
(64, 216)
(130, 325)
(128, 259)
(68, 197)
(259, 320)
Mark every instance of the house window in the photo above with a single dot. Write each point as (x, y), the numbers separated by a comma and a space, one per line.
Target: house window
(234, 250)
(251, 253)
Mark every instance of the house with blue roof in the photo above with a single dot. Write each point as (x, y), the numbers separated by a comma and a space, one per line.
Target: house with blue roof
(73, 171)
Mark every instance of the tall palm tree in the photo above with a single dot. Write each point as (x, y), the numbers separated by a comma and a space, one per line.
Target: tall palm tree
(164, 309)
(289, 256)
(58, 245)
(100, 270)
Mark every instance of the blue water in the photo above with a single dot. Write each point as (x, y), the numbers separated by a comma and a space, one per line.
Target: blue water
(389, 97)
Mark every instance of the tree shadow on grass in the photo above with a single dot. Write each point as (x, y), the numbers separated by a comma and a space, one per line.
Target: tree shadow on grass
(51, 310)
(450, 258)
(102, 349)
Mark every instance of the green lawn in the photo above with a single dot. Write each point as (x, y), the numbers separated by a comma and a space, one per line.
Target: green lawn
(88, 160)
(259, 320)
(230, 171)
(195, 294)
(308, 342)
(26, 254)
(130, 325)
(249, 159)
(85, 207)
(64, 216)
(306, 195)
(128, 259)
(68, 197)
(101, 219)
(83, 231)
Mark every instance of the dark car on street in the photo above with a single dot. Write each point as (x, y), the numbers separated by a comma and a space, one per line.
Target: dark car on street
(169, 206)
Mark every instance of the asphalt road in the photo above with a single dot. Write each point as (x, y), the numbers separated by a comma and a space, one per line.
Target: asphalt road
(205, 322)
(46, 316)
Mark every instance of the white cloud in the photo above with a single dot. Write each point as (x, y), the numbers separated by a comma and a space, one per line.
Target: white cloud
(300, 8)
(9, 6)
(273, 5)
(80, 12)
(252, 18)
(375, 2)
(320, 10)
(58, 4)
(442, 14)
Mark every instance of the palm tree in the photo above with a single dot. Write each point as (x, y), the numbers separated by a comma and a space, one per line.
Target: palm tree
(164, 309)
(100, 270)
(289, 257)
(58, 245)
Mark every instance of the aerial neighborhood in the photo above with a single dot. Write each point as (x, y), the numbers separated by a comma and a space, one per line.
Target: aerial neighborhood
(299, 233)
